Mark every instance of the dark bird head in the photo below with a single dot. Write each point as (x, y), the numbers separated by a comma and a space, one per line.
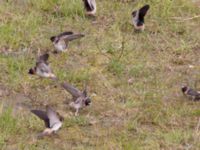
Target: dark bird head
(53, 38)
(87, 101)
(32, 71)
(184, 89)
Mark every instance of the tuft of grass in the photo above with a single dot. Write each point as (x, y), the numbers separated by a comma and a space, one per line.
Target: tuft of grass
(116, 67)
(74, 77)
(8, 126)
(14, 69)
(76, 121)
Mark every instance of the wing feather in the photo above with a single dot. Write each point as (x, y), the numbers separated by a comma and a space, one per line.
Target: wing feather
(53, 117)
(143, 11)
(42, 115)
(72, 90)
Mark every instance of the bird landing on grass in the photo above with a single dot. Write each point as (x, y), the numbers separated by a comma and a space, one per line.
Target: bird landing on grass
(80, 99)
(61, 41)
(53, 120)
(191, 93)
(42, 67)
(138, 18)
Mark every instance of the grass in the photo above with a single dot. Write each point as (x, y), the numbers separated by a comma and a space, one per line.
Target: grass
(134, 79)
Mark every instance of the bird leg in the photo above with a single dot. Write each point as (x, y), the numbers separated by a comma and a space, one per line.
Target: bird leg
(76, 113)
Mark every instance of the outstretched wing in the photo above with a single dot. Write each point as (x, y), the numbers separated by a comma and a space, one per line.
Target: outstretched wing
(72, 90)
(85, 90)
(43, 67)
(143, 11)
(192, 92)
(71, 37)
(42, 115)
(53, 117)
(43, 58)
(88, 5)
(65, 34)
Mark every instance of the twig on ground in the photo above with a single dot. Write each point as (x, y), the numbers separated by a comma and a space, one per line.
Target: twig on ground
(185, 19)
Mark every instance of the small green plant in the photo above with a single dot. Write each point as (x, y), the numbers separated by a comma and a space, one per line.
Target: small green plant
(116, 67)
(8, 122)
(8, 126)
(76, 121)
(137, 70)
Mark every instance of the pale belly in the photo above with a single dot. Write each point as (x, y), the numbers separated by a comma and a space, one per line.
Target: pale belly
(60, 46)
(57, 126)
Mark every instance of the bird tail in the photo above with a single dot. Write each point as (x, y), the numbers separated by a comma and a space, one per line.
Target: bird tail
(44, 58)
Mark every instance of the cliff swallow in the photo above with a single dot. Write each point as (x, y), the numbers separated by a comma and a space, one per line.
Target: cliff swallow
(138, 17)
(53, 120)
(191, 93)
(42, 67)
(81, 99)
(90, 6)
(61, 41)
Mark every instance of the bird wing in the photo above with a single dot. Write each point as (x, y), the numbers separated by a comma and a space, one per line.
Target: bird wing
(53, 117)
(197, 97)
(64, 34)
(92, 4)
(192, 92)
(71, 37)
(143, 11)
(72, 90)
(44, 68)
(85, 93)
(43, 58)
(42, 115)
(88, 5)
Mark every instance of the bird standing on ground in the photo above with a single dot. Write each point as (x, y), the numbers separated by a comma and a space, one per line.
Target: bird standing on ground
(191, 93)
(42, 67)
(138, 17)
(61, 41)
(81, 99)
(53, 120)
(90, 7)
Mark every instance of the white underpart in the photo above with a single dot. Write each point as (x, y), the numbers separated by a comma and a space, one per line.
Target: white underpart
(60, 46)
(135, 21)
(56, 126)
(45, 75)
(75, 106)
(47, 131)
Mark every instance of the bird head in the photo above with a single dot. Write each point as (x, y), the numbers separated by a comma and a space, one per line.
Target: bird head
(32, 71)
(184, 89)
(53, 39)
(87, 101)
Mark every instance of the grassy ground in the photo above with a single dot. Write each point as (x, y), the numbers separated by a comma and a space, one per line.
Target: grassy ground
(134, 79)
